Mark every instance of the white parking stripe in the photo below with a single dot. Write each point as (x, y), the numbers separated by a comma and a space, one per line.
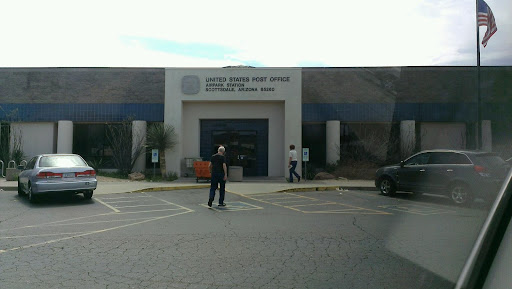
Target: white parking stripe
(42, 235)
(130, 197)
(107, 205)
(91, 233)
(136, 206)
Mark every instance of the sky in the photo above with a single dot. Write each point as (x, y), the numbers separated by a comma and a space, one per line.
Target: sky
(263, 33)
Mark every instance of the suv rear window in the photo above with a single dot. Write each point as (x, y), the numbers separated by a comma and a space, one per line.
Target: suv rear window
(61, 161)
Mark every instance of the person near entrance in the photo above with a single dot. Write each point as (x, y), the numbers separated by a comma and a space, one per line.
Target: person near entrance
(219, 175)
(292, 163)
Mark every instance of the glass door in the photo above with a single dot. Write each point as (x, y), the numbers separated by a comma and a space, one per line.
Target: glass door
(241, 148)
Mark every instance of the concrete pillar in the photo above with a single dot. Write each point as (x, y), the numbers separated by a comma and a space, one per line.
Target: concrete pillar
(486, 136)
(407, 137)
(332, 140)
(139, 128)
(65, 137)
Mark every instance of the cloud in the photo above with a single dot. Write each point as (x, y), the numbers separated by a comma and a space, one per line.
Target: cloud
(264, 33)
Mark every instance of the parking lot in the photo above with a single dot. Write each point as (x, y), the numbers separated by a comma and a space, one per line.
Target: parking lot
(319, 239)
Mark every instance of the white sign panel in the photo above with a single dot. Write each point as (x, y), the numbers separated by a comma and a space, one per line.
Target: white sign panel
(305, 154)
(154, 155)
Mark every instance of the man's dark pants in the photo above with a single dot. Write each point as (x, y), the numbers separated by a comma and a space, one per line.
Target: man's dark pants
(293, 172)
(218, 178)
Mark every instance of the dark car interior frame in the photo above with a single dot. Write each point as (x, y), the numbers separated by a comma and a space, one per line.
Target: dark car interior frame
(478, 264)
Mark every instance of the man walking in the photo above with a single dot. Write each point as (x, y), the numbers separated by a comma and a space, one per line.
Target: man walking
(292, 164)
(219, 173)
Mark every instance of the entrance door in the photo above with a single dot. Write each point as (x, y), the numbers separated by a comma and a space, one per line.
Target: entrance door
(241, 147)
(246, 143)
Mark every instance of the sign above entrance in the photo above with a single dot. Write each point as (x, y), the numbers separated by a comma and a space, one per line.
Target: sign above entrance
(192, 84)
(244, 83)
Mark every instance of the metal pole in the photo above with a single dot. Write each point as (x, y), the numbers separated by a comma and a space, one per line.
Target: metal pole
(478, 113)
(306, 171)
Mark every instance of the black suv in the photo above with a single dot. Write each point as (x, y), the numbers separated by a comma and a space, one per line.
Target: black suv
(461, 175)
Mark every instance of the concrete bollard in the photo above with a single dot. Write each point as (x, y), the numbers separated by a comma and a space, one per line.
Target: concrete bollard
(236, 174)
(11, 174)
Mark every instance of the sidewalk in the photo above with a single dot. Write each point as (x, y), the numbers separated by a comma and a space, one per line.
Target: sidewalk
(250, 185)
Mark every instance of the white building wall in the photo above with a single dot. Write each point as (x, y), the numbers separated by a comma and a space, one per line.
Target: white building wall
(277, 97)
(64, 137)
(332, 143)
(443, 136)
(36, 138)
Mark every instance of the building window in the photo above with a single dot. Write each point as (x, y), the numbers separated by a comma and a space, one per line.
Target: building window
(91, 142)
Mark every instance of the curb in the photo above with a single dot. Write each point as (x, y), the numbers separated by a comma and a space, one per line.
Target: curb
(304, 189)
(328, 188)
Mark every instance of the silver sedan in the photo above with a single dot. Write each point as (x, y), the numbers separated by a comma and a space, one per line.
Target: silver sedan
(62, 173)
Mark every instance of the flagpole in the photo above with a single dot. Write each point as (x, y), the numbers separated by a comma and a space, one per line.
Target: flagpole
(478, 112)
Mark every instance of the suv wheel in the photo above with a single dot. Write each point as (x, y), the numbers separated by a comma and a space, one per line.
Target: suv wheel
(460, 194)
(387, 187)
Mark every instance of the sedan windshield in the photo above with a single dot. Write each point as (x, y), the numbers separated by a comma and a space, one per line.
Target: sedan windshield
(61, 161)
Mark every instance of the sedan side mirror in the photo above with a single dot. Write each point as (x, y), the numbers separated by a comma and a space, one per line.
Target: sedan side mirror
(402, 164)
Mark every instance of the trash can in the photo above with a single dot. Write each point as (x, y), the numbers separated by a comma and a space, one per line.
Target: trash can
(236, 173)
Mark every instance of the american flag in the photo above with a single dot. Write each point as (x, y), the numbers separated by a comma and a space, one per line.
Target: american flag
(486, 18)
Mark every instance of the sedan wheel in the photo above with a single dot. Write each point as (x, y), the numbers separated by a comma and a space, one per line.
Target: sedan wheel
(20, 189)
(88, 195)
(387, 187)
(31, 197)
(460, 194)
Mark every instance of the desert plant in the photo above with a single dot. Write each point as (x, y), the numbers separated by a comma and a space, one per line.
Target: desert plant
(95, 163)
(10, 149)
(120, 139)
(162, 137)
(171, 176)
(16, 148)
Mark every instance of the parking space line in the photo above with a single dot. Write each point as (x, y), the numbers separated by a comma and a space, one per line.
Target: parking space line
(265, 194)
(128, 197)
(417, 209)
(130, 201)
(319, 204)
(170, 203)
(137, 206)
(41, 235)
(313, 202)
(107, 205)
(285, 198)
(347, 211)
(173, 210)
(233, 207)
(289, 202)
(93, 222)
(91, 233)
